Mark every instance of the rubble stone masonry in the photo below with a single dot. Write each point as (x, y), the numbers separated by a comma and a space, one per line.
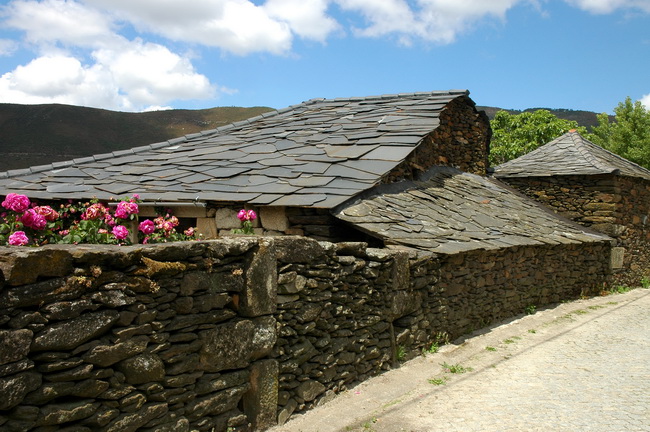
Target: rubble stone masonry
(240, 333)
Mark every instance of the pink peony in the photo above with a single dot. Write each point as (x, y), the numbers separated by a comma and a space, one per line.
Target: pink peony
(31, 219)
(147, 226)
(15, 202)
(174, 221)
(246, 215)
(48, 212)
(120, 232)
(125, 209)
(168, 226)
(190, 232)
(19, 238)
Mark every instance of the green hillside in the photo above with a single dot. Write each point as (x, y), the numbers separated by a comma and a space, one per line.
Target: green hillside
(41, 134)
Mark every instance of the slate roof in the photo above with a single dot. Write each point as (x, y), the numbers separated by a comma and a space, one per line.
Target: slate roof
(570, 154)
(449, 211)
(315, 154)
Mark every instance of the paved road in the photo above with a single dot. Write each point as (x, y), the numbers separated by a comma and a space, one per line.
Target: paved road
(580, 366)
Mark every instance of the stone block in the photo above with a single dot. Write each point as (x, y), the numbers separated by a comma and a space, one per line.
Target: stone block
(143, 368)
(70, 334)
(298, 250)
(14, 388)
(235, 344)
(260, 402)
(274, 218)
(14, 345)
(618, 257)
(25, 265)
(309, 390)
(106, 355)
(227, 219)
(56, 414)
(207, 227)
(261, 288)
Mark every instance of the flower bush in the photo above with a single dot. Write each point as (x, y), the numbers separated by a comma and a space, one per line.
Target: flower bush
(25, 223)
(246, 217)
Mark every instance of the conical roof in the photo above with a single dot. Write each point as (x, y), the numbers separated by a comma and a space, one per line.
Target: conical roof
(570, 154)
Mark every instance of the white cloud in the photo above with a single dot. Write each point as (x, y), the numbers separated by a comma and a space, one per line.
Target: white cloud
(645, 100)
(307, 19)
(7, 47)
(134, 78)
(609, 6)
(438, 21)
(52, 21)
(236, 26)
(84, 61)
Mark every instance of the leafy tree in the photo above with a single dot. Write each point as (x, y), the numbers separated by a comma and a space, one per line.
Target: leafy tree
(514, 135)
(629, 135)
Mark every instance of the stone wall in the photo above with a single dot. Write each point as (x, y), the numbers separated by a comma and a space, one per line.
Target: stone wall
(167, 338)
(461, 141)
(243, 332)
(614, 205)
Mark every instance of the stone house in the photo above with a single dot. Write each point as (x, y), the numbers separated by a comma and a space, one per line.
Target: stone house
(594, 187)
(292, 165)
(220, 335)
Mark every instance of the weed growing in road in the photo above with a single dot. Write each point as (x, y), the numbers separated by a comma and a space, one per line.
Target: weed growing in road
(456, 368)
(619, 289)
(595, 307)
(438, 381)
(530, 310)
(533, 331)
(580, 312)
(441, 338)
(490, 348)
(509, 341)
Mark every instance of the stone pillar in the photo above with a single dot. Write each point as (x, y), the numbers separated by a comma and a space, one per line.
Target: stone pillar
(261, 286)
(261, 401)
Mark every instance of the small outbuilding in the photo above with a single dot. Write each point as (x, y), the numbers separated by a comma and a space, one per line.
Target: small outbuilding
(594, 187)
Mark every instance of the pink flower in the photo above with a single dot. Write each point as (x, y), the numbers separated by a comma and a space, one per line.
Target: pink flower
(48, 212)
(110, 221)
(147, 227)
(246, 215)
(64, 232)
(31, 219)
(15, 202)
(135, 197)
(19, 238)
(168, 226)
(125, 209)
(174, 221)
(95, 211)
(102, 231)
(190, 232)
(120, 232)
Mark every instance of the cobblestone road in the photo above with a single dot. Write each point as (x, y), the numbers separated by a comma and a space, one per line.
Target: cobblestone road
(580, 366)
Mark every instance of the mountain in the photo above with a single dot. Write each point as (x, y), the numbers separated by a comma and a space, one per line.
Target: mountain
(587, 119)
(41, 134)
(33, 135)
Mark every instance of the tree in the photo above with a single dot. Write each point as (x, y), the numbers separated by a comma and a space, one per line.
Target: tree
(514, 135)
(629, 135)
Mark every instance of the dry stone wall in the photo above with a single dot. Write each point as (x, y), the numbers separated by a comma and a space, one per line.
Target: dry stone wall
(614, 205)
(240, 333)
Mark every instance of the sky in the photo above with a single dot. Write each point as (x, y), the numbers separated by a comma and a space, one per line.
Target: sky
(142, 55)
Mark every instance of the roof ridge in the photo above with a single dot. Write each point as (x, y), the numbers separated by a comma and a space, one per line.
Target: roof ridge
(586, 143)
(581, 145)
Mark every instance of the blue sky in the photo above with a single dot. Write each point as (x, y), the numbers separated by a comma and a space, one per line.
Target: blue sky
(136, 55)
